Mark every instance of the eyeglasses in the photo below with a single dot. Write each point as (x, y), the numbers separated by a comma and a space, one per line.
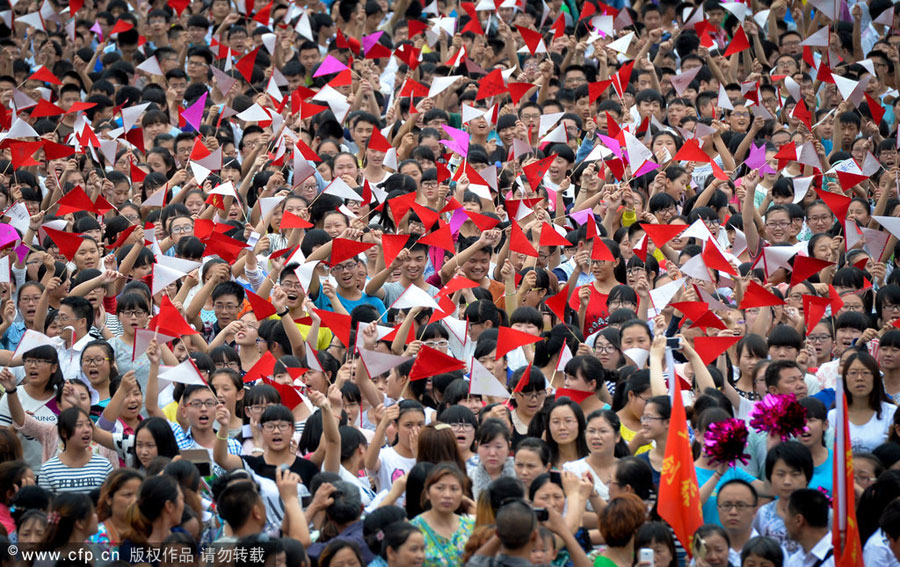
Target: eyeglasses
(849, 307)
(259, 408)
(181, 229)
(347, 267)
(94, 361)
(778, 224)
(605, 349)
(225, 306)
(464, 427)
(739, 506)
(36, 362)
(818, 338)
(818, 219)
(621, 305)
(231, 364)
(197, 404)
(889, 307)
(62, 317)
(859, 374)
(649, 418)
(437, 344)
(430, 184)
(130, 314)
(290, 285)
(536, 395)
(271, 426)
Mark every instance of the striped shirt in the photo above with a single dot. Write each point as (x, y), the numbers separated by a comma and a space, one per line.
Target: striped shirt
(57, 477)
(185, 440)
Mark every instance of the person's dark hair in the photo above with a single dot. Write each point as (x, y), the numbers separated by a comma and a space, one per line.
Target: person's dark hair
(794, 454)
(395, 535)
(636, 473)
(71, 507)
(611, 418)
(166, 445)
(773, 371)
(656, 532)
(334, 546)
(877, 397)
(235, 503)
(516, 521)
(890, 520)
(812, 505)
(581, 447)
(81, 308)
(375, 524)
(66, 422)
(765, 548)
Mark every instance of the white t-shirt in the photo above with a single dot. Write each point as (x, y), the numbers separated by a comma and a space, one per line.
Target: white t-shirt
(43, 411)
(393, 466)
(866, 437)
(580, 467)
(365, 492)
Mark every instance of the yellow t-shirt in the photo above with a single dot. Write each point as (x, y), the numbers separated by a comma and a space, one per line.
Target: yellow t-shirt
(628, 435)
(323, 341)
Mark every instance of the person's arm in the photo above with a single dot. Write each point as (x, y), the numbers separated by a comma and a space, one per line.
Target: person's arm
(294, 524)
(748, 213)
(16, 412)
(221, 273)
(375, 287)
(577, 492)
(657, 356)
(702, 375)
(373, 463)
(151, 401)
(331, 434)
(488, 238)
(220, 450)
(558, 525)
(114, 407)
(722, 149)
(367, 388)
(710, 485)
(399, 342)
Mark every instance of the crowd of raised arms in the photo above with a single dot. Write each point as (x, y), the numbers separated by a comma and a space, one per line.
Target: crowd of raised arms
(430, 283)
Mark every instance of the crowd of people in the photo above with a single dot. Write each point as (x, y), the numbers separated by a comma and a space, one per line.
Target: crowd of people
(404, 284)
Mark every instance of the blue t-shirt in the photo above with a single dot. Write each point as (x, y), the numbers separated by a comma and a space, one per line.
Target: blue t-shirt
(710, 508)
(323, 302)
(823, 474)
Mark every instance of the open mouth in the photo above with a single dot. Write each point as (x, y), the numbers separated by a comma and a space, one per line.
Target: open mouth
(135, 407)
(292, 296)
(203, 419)
(93, 375)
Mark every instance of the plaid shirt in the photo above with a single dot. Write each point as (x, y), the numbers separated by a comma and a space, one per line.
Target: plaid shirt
(185, 440)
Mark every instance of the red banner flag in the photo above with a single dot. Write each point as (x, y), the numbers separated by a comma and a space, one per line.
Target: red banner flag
(679, 494)
(848, 550)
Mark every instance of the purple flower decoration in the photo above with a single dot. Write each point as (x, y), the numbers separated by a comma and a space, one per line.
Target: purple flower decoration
(725, 441)
(780, 414)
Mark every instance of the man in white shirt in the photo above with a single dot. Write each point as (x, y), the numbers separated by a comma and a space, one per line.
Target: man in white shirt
(78, 314)
(890, 525)
(807, 524)
(737, 502)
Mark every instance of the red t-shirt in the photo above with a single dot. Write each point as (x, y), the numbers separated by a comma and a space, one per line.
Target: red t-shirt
(597, 315)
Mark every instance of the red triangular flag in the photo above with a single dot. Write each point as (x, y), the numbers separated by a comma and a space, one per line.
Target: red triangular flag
(576, 396)
(738, 43)
(290, 220)
(262, 307)
(709, 348)
(483, 222)
(813, 310)
(45, 75)
(169, 320)
(875, 109)
(342, 248)
(518, 242)
(73, 201)
(534, 172)
(46, 108)
(264, 368)
(441, 238)
(557, 303)
(339, 324)
(430, 362)
(691, 151)
(804, 266)
(67, 242)
(757, 296)
(837, 203)
(714, 259)
(378, 142)
(53, 150)
(392, 244)
(509, 339)
(549, 237)
(661, 234)
(491, 85)
(245, 65)
(601, 251)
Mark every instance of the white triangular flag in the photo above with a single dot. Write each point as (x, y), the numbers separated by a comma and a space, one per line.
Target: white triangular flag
(565, 355)
(268, 204)
(163, 276)
(312, 360)
(483, 383)
(622, 44)
(142, 339)
(185, 373)
(548, 121)
(377, 363)
(638, 153)
(801, 188)
(179, 264)
(414, 296)
(557, 135)
(339, 188)
(661, 296)
(681, 81)
(255, 113)
(638, 355)
(817, 39)
(305, 273)
(151, 66)
(31, 340)
(440, 84)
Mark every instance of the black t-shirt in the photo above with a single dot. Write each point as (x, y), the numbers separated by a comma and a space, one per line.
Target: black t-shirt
(303, 467)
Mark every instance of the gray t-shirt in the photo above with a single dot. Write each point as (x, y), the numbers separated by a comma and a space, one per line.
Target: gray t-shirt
(393, 290)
